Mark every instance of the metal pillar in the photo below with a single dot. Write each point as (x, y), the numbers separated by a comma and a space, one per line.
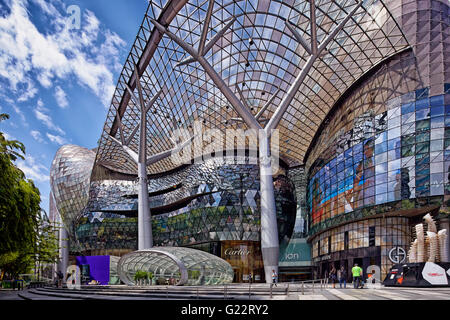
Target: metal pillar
(63, 251)
(269, 226)
(145, 236)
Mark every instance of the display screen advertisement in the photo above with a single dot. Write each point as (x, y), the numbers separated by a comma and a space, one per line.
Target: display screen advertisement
(397, 155)
(343, 183)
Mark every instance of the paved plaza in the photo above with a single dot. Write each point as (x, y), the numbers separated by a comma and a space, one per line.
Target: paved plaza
(233, 292)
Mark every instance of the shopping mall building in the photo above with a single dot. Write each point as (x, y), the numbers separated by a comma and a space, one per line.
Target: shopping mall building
(359, 95)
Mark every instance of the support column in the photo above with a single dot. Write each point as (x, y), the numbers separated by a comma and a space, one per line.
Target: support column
(63, 251)
(145, 237)
(269, 229)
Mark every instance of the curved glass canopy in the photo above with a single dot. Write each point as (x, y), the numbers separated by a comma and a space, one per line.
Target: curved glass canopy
(258, 57)
(179, 265)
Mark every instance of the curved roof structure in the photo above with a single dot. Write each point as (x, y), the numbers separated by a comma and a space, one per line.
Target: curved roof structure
(185, 265)
(69, 181)
(258, 57)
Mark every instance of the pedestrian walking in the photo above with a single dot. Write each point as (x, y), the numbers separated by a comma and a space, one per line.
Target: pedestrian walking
(333, 277)
(60, 276)
(342, 277)
(356, 273)
(274, 277)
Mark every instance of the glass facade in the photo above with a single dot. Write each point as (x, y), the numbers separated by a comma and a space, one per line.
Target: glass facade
(382, 150)
(366, 134)
(365, 242)
(258, 54)
(396, 155)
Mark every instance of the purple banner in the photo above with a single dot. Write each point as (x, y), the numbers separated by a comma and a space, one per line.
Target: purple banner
(98, 267)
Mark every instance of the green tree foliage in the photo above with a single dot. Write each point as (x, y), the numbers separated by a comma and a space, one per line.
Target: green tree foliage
(12, 149)
(46, 250)
(19, 210)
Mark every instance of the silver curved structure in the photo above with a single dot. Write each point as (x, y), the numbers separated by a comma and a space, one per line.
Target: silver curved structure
(184, 265)
(70, 175)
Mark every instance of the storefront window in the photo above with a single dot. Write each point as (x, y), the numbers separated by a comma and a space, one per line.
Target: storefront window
(245, 257)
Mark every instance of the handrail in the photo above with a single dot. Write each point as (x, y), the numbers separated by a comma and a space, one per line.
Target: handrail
(233, 290)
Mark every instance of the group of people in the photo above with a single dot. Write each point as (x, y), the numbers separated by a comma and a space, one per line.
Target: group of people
(341, 276)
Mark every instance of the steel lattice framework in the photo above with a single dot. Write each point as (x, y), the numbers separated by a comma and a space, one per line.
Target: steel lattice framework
(259, 55)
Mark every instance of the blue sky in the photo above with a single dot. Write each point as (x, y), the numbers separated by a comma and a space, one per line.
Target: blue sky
(57, 80)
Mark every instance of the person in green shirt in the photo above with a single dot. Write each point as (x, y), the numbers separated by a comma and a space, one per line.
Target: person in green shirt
(356, 273)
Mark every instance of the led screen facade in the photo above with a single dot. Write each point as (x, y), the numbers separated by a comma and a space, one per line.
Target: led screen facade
(400, 156)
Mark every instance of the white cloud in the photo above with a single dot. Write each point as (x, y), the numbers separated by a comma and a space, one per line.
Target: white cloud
(61, 97)
(56, 139)
(47, 120)
(29, 92)
(57, 52)
(20, 114)
(37, 136)
(40, 113)
(33, 170)
(46, 6)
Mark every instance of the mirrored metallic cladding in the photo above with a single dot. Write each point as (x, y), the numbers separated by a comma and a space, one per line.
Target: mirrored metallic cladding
(258, 53)
(182, 265)
(218, 202)
(69, 180)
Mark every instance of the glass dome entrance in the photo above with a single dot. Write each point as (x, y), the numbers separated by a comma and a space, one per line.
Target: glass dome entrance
(176, 265)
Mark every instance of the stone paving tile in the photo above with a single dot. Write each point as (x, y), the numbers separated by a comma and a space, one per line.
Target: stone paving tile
(312, 297)
(9, 295)
(382, 293)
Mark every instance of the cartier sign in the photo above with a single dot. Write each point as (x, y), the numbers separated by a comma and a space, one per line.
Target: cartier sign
(236, 252)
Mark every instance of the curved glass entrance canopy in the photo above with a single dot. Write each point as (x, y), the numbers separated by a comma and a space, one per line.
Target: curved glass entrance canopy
(264, 47)
(182, 265)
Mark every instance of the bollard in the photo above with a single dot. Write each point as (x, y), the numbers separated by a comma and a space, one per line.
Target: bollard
(287, 289)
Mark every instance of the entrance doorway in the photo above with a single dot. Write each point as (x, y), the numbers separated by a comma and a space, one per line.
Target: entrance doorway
(324, 270)
(237, 275)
